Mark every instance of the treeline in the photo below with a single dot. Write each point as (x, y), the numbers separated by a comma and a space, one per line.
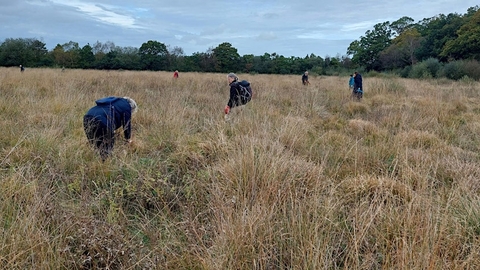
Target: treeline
(443, 45)
(155, 55)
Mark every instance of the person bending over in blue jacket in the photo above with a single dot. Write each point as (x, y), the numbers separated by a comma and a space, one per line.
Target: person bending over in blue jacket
(101, 121)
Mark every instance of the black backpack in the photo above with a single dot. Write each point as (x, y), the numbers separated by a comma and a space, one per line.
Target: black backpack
(245, 91)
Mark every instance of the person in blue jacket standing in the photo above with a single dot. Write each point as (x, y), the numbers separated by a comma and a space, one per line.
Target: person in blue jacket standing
(351, 82)
(101, 121)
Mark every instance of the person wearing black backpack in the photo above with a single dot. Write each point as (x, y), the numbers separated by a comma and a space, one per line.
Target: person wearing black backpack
(240, 92)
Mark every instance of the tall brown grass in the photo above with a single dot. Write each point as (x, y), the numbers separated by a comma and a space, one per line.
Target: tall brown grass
(301, 178)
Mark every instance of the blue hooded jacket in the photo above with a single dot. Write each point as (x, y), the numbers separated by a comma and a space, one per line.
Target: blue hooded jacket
(113, 112)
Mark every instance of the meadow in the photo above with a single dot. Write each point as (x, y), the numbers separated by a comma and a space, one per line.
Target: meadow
(301, 178)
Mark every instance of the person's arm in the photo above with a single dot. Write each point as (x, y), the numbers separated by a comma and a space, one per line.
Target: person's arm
(127, 127)
(232, 100)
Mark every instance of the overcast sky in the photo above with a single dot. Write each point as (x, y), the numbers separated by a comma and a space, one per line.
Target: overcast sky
(285, 27)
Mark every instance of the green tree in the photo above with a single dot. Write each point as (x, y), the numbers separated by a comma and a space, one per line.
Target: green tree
(201, 61)
(313, 62)
(67, 55)
(281, 65)
(59, 56)
(467, 44)
(346, 62)
(154, 55)
(192, 62)
(23, 51)
(13, 52)
(392, 57)
(436, 32)
(247, 62)
(87, 58)
(226, 58)
(401, 25)
(112, 60)
(39, 53)
(100, 49)
(401, 52)
(176, 58)
(366, 51)
(129, 58)
(263, 64)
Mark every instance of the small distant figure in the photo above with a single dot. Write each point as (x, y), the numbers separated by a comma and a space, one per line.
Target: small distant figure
(305, 78)
(351, 82)
(175, 74)
(358, 86)
(101, 121)
(22, 68)
(63, 69)
(240, 93)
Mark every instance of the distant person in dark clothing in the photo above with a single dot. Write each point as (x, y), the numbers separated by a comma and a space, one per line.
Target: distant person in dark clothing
(22, 68)
(175, 74)
(240, 92)
(101, 121)
(358, 85)
(305, 78)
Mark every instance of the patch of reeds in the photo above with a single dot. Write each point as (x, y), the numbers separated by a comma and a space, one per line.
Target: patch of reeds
(302, 177)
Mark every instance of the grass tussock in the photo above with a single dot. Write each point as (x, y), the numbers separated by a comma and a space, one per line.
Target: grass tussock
(300, 178)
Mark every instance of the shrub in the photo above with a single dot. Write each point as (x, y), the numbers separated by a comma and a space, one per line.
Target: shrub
(472, 68)
(425, 69)
(453, 70)
(317, 70)
(433, 66)
(404, 73)
(419, 71)
(459, 69)
(467, 80)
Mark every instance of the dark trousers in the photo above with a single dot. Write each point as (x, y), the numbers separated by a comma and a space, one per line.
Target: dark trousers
(357, 93)
(99, 135)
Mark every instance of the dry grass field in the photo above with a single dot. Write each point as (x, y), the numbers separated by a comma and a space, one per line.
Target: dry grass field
(301, 178)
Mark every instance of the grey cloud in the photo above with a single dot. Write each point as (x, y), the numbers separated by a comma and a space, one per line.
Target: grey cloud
(266, 36)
